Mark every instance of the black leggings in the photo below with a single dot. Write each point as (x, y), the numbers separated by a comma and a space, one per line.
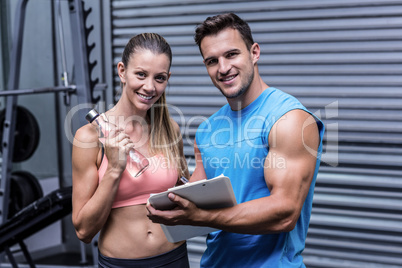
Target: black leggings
(176, 258)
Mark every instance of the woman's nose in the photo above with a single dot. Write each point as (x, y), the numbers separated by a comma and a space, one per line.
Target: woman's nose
(149, 85)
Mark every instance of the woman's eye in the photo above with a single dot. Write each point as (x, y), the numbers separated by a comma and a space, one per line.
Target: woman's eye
(161, 78)
(140, 74)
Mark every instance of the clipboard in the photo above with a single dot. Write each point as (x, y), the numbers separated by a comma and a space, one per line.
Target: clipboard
(206, 194)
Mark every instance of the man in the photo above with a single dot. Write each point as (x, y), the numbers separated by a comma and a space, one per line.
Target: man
(266, 142)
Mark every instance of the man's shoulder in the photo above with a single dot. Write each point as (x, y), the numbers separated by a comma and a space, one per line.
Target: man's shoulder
(221, 112)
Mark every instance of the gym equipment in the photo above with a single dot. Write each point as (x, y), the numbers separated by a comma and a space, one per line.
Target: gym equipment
(26, 134)
(46, 210)
(33, 218)
(24, 189)
(83, 88)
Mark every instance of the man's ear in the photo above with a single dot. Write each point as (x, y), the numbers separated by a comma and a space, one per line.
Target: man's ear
(255, 52)
(121, 70)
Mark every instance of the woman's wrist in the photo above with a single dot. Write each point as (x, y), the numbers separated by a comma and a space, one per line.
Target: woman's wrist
(114, 172)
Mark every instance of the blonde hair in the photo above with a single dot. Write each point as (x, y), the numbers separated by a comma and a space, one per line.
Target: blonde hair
(164, 138)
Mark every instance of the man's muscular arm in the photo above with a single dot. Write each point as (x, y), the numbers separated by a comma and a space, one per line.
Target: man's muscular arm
(293, 140)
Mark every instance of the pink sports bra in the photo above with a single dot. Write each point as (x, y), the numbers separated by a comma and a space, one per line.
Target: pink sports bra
(158, 177)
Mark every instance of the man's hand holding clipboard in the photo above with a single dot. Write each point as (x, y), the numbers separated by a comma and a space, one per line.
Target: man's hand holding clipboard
(173, 203)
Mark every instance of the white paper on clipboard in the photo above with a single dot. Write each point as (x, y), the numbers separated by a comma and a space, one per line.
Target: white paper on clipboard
(207, 194)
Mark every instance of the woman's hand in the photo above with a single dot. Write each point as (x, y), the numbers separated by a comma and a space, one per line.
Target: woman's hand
(117, 145)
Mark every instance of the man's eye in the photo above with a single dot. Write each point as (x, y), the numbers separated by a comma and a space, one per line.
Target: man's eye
(212, 61)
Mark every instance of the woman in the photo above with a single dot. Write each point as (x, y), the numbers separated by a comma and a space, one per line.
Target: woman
(105, 197)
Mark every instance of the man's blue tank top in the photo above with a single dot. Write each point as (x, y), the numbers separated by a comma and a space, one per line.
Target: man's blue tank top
(235, 143)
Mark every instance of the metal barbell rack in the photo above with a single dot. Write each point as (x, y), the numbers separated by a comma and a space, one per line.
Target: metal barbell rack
(83, 89)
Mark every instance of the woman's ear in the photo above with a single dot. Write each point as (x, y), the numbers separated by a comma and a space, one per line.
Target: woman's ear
(121, 70)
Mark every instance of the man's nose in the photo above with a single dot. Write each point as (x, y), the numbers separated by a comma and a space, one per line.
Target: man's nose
(224, 66)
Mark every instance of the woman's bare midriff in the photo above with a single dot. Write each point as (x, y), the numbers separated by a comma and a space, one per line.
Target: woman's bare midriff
(129, 234)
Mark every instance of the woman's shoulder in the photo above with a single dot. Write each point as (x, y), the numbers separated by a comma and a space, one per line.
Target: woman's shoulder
(87, 134)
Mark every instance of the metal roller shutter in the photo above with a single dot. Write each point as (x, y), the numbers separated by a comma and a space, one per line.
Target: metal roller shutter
(343, 60)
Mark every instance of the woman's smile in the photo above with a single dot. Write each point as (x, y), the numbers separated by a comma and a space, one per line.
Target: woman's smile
(145, 97)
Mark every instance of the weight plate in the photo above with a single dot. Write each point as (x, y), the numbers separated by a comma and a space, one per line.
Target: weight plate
(24, 190)
(26, 134)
